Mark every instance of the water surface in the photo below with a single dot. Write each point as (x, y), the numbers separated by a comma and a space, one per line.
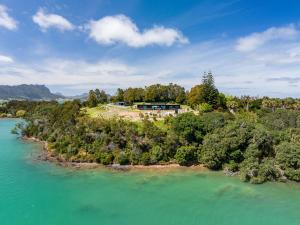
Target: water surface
(39, 193)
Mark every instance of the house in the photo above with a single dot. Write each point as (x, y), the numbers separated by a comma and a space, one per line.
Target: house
(158, 106)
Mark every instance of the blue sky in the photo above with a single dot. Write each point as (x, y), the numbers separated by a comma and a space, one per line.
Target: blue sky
(252, 46)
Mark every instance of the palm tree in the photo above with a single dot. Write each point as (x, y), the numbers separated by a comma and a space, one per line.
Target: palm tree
(231, 104)
(271, 103)
(246, 100)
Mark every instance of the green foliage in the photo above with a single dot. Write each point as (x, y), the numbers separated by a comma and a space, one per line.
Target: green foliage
(189, 127)
(288, 159)
(261, 145)
(210, 92)
(106, 158)
(196, 96)
(186, 155)
(119, 97)
(214, 120)
(206, 93)
(225, 144)
(222, 101)
(145, 158)
(96, 97)
(101, 96)
(232, 103)
(164, 93)
(205, 107)
(232, 166)
(156, 154)
(122, 158)
(132, 95)
(280, 119)
(20, 113)
(153, 93)
(92, 100)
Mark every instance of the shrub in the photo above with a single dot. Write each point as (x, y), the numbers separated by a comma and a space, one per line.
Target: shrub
(20, 113)
(122, 158)
(106, 158)
(145, 158)
(186, 155)
(204, 107)
(188, 126)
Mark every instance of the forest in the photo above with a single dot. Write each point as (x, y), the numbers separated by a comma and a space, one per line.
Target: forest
(255, 138)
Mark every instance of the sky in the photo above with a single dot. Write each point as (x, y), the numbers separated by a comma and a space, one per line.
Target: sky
(251, 46)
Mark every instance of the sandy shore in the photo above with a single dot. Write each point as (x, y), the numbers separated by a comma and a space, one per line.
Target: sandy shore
(47, 155)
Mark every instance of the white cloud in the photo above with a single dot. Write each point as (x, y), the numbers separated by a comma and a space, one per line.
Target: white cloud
(69, 72)
(113, 29)
(236, 73)
(255, 40)
(5, 20)
(46, 21)
(5, 59)
(270, 70)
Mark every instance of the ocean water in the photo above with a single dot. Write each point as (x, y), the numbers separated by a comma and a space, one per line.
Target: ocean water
(40, 193)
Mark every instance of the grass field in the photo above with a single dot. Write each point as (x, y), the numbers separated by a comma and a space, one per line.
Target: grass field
(130, 113)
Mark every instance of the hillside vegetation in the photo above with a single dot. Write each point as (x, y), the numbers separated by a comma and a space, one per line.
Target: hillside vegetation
(256, 138)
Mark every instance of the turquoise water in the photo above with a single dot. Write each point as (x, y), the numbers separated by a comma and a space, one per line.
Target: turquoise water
(39, 193)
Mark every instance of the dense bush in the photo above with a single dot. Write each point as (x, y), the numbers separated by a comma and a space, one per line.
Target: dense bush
(261, 146)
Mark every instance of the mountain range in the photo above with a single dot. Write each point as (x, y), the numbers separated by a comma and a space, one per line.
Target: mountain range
(30, 92)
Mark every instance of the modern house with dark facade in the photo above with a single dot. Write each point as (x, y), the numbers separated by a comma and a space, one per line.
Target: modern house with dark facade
(158, 106)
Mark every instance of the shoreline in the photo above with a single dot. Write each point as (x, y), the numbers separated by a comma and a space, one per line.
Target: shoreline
(45, 155)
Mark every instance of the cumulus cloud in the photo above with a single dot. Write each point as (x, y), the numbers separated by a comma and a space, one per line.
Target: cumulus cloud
(46, 21)
(272, 70)
(121, 29)
(75, 76)
(255, 40)
(5, 59)
(5, 20)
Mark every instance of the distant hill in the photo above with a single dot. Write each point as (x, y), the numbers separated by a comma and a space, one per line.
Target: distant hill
(24, 91)
(82, 97)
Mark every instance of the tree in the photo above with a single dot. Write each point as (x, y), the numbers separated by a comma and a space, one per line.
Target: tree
(222, 101)
(92, 100)
(246, 100)
(176, 93)
(226, 144)
(296, 105)
(132, 95)
(186, 155)
(156, 93)
(287, 103)
(204, 107)
(205, 92)
(288, 158)
(102, 97)
(232, 104)
(189, 127)
(196, 96)
(210, 91)
(119, 97)
(271, 103)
